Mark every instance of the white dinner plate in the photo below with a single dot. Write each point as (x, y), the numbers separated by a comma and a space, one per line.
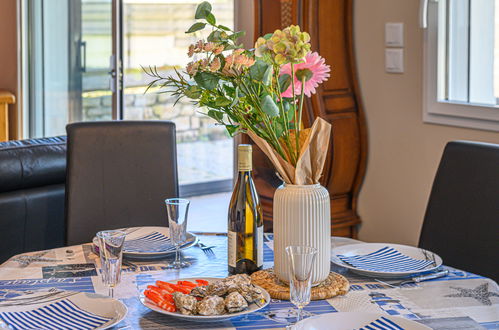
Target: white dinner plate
(138, 232)
(366, 248)
(354, 320)
(201, 318)
(101, 310)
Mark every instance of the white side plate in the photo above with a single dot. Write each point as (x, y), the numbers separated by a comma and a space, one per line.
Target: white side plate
(352, 320)
(366, 248)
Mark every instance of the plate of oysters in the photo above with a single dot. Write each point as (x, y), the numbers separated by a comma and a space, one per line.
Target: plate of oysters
(205, 299)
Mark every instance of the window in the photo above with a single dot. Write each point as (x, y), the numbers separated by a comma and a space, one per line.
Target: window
(461, 63)
(70, 50)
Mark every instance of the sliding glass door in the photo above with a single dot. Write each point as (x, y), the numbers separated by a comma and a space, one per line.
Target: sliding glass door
(68, 48)
(83, 62)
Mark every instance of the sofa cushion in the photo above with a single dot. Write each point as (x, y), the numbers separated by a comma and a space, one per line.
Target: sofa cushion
(32, 163)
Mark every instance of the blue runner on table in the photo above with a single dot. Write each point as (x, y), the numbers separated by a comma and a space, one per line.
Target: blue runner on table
(60, 315)
(153, 242)
(386, 259)
(381, 324)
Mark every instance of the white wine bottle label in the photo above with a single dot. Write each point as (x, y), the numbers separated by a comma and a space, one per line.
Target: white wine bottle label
(259, 252)
(231, 248)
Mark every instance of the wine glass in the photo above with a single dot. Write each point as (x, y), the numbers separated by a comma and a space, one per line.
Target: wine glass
(300, 262)
(111, 256)
(177, 209)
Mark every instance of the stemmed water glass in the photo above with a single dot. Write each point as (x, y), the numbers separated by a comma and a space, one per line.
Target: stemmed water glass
(300, 262)
(111, 256)
(177, 209)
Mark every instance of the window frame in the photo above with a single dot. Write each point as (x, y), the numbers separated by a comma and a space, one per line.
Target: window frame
(451, 113)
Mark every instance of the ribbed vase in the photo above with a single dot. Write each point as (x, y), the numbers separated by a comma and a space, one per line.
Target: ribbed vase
(302, 217)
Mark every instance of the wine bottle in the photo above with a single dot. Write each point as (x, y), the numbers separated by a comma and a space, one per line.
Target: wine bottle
(245, 229)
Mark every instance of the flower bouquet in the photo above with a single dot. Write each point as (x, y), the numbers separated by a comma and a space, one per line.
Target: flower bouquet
(261, 92)
(257, 91)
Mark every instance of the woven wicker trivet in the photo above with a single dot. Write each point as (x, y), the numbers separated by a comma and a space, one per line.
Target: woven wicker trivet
(334, 285)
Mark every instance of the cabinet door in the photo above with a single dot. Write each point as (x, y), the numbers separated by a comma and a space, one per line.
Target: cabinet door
(329, 23)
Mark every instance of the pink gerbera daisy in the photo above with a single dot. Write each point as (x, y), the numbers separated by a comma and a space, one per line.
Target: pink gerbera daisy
(313, 68)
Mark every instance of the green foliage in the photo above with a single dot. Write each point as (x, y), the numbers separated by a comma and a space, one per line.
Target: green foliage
(210, 18)
(196, 27)
(206, 80)
(240, 89)
(203, 10)
(284, 82)
(261, 71)
(268, 106)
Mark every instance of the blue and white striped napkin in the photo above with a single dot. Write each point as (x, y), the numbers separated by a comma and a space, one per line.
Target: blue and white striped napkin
(386, 259)
(150, 243)
(59, 315)
(381, 324)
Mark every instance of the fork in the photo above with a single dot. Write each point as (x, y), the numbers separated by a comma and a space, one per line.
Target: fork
(208, 250)
(51, 295)
(416, 279)
(429, 256)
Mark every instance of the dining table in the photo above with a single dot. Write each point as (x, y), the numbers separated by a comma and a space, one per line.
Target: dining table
(460, 300)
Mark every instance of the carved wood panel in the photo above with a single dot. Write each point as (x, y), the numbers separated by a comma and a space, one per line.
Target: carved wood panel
(329, 23)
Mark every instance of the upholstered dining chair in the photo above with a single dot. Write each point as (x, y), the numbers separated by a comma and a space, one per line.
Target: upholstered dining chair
(461, 223)
(118, 175)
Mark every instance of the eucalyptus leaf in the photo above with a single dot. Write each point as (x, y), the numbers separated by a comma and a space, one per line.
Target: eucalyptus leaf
(232, 129)
(237, 35)
(206, 80)
(196, 27)
(223, 27)
(203, 10)
(214, 36)
(193, 92)
(268, 106)
(261, 71)
(279, 129)
(222, 101)
(284, 82)
(217, 115)
(210, 18)
(236, 97)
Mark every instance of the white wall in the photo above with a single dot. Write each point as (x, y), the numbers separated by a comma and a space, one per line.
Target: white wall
(403, 151)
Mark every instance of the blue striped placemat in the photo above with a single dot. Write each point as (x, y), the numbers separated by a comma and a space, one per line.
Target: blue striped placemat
(381, 324)
(59, 315)
(386, 259)
(150, 243)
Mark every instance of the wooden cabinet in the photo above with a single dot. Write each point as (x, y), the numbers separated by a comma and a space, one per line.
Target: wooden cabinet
(329, 23)
(6, 98)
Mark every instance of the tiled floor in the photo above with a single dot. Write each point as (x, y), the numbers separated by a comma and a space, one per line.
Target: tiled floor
(208, 213)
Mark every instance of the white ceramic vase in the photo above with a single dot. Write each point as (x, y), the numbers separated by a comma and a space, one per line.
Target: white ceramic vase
(302, 217)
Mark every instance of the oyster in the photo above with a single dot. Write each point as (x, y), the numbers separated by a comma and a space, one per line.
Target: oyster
(218, 288)
(234, 302)
(233, 282)
(199, 291)
(211, 305)
(185, 304)
(251, 293)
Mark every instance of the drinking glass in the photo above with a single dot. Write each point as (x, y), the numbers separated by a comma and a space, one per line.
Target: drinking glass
(177, 209)
(111, 255)
(300, 261)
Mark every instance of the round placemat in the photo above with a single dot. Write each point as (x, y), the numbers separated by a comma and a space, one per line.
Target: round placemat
(334, 285)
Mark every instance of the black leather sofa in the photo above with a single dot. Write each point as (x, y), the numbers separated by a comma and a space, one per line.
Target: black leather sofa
(32, 178)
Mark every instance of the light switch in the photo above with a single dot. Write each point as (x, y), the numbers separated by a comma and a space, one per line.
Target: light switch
(394, 60)
(394, 34)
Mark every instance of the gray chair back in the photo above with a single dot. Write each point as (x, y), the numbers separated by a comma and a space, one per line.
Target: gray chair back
(461, 223)
(118, 175)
